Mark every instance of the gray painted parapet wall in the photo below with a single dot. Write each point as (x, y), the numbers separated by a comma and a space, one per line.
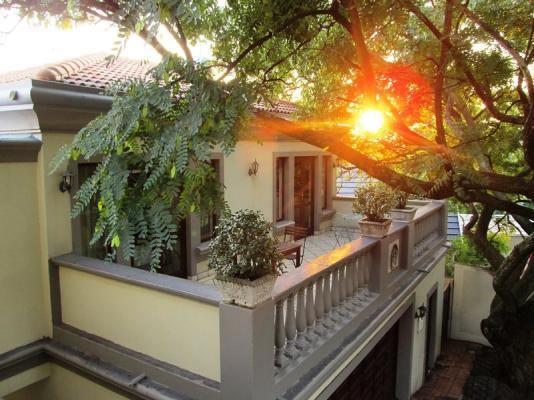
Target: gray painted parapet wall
(318, 308)
(163, 283)
(179, 380)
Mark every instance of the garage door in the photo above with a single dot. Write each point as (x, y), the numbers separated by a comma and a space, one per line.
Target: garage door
(375, 376)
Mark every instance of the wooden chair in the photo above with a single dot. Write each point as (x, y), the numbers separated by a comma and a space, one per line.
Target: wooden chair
(296, 234)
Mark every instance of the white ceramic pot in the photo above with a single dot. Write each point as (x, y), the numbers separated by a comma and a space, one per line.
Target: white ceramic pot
(374, 229)
(244, 292)
(402, 214)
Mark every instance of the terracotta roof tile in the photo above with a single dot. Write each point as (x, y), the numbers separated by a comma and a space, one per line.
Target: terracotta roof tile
(94, 71)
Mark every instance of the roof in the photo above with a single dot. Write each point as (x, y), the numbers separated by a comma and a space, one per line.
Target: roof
(453, 226)
(95, 71)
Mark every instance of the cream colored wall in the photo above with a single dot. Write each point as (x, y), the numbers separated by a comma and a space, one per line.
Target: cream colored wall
(437, 275)
(54, 212)
(64, 385)
(20, 381)
(255, 192)
(170, 328)
(21, 294)
(472, 297)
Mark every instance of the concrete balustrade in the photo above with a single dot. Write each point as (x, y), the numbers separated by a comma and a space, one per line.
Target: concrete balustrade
(330, 297)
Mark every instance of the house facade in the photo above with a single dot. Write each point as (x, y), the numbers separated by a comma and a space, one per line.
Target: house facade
(76, 326)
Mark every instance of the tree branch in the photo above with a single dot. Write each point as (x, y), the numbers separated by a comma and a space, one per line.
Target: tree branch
(477, 86)
(503, 43)
(259, 42)
(180, 39)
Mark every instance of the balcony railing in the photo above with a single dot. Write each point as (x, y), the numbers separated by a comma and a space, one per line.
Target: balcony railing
(283, 348)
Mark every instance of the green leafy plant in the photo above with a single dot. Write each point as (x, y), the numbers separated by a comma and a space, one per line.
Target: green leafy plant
(243, 247)
(462, 251)
(373, 201)
(401, 199)
(155, 144)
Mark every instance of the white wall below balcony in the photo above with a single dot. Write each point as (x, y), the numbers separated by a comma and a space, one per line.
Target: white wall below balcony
(171, 328)
(472, 296)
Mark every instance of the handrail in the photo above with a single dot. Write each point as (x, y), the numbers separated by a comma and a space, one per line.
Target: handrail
(301, 277)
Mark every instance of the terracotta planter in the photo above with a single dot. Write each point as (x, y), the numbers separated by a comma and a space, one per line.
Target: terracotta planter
(374, 229)
(402, 214)
(244, 292)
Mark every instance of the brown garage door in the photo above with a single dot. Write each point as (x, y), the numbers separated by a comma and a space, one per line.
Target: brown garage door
(375, 376)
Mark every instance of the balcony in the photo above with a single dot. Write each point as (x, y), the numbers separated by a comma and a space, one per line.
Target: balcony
(177, 337)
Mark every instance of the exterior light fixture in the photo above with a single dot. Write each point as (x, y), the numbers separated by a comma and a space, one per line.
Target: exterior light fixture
(421, 312)
(66, 182)
(253, 169)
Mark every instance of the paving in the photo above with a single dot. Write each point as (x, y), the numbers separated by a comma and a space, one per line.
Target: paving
(447, 379)
(322, 243)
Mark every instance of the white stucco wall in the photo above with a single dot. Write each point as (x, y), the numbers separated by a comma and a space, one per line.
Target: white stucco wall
(30, 378)
(256, 192)
(436, 276)
(174, 329)
(472, 296)
(22, 318)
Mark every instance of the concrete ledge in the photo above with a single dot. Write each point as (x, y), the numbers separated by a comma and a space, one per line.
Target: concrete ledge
(163, 283)
(126, 380)
(19, 149)
(176, 378)
(22, 358)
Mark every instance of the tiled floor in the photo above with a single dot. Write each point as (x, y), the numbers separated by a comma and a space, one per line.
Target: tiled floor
(320, 244)
(447, 379)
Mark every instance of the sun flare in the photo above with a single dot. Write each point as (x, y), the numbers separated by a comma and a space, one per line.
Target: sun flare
(371, 120)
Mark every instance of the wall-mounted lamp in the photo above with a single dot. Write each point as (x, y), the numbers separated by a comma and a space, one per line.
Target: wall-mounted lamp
(253, 169)
(66, 182)
(421, 312)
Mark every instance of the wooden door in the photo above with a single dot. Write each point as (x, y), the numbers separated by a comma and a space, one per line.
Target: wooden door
(304, 192)
(375, 377)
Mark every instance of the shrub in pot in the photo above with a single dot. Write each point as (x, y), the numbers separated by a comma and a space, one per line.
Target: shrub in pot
(400, 210)
(245, 257)
(374, 201)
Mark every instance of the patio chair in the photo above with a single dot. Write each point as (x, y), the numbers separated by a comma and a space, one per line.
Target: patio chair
(293, 234)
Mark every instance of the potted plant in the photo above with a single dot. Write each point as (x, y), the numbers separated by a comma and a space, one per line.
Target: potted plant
(373, 201)
(245, 257)
(401, 212)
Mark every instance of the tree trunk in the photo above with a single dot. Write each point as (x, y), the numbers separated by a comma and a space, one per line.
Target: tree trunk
(511, 333)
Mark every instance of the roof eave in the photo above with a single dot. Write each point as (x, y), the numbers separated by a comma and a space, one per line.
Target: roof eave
(34, 106)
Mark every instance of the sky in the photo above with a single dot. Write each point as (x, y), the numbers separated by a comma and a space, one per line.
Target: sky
(25, 44)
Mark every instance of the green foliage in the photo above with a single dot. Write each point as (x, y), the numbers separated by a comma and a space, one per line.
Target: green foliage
(463, 251)
(243, 247)
(155, 145)
(401, 199)
(374, 201)
(304, 50)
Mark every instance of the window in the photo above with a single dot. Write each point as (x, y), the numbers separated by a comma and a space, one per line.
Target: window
(208, 222)
(280, 188)
(325, 182)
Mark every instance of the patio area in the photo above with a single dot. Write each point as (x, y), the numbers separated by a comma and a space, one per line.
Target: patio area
(324, 242)
(316, 245)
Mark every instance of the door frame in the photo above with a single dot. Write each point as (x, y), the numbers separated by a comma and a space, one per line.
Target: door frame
(313, 162)
(431, 331)
(289, 196)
